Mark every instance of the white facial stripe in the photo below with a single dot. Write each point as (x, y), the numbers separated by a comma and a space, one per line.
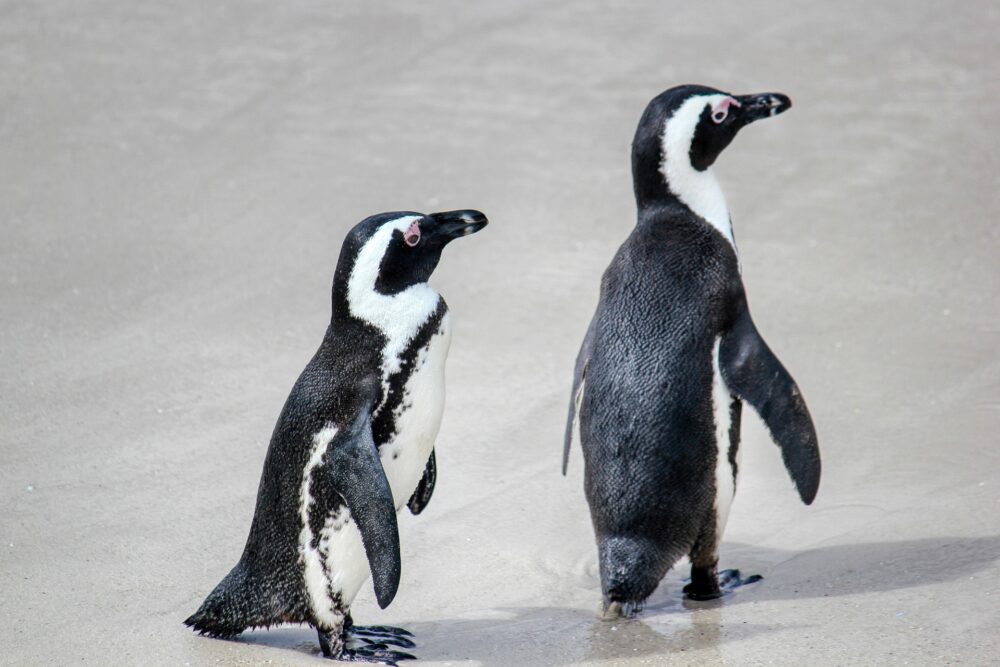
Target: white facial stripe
(397, 316)
(699, 190)
(312, 560)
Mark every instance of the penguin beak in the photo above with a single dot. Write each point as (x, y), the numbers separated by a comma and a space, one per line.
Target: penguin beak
(762, 105)
(450, 225)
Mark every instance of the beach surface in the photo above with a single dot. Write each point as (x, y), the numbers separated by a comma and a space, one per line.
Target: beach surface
(176, 179)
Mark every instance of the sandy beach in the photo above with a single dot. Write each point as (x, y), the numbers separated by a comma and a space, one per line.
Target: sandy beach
(176, 179)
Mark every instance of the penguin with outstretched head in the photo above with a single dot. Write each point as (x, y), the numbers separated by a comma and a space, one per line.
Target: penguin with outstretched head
(353, 444)
(670, 356)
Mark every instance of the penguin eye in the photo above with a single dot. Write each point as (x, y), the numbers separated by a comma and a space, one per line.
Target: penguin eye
(412, 235)
(720, 112)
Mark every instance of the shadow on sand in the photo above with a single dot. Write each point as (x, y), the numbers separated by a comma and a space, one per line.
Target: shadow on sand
(850, 569)
(548, 635)
(563, 636)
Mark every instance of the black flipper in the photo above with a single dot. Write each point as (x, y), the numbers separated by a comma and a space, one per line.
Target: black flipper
(753, 373)
(579, 377)
(425, 489)
(355, 470)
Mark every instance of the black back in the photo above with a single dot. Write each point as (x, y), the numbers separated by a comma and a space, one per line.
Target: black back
(643, 385)
(646, 420)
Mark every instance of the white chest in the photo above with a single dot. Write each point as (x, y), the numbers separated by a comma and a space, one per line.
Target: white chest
(418, 417)
(340, 565)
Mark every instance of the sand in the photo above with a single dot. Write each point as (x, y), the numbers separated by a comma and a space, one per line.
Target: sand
(175, 182)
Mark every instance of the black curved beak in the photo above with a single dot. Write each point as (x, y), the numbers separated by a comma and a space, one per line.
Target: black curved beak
(450, 225)
(762, 105)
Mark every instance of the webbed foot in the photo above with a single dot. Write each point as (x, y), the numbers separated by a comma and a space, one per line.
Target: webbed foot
(378, 654)
(730, 579)
(707, 585)
(366, 644)
(381, 634)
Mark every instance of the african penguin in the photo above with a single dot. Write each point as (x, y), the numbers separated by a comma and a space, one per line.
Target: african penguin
(354, 442)
(670, 355)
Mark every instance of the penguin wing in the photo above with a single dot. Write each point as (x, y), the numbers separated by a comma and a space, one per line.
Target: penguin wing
(579, 382)
(425, 489)
(355, 471)
(753, 373)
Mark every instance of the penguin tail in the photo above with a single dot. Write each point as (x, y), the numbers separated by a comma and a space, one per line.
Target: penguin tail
(229, 609)
(631, 569)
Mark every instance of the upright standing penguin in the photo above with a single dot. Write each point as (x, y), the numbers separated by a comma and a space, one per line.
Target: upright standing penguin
(669, 357)
(354, 442)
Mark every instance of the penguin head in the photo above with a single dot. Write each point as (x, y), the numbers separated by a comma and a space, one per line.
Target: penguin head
(391, 252)
(684, 129)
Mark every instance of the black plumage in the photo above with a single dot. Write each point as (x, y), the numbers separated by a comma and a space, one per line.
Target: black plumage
(325, 448)
(642, 396)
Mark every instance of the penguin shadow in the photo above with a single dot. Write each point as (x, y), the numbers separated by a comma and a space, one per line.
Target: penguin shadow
(299, 638)
(546, 635)
(670, 625)
(866, 567)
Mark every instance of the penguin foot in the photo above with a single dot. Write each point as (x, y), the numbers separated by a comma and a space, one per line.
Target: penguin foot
(706, 585)
(702, 593)
(379, 654)
(381, 634)
(372, 649)
(730, 579)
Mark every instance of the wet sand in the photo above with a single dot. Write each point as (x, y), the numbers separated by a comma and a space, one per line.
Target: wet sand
(175, 182)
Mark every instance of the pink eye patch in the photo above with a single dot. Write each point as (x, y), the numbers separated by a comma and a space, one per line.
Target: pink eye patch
(412, 235)
(721, 110)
